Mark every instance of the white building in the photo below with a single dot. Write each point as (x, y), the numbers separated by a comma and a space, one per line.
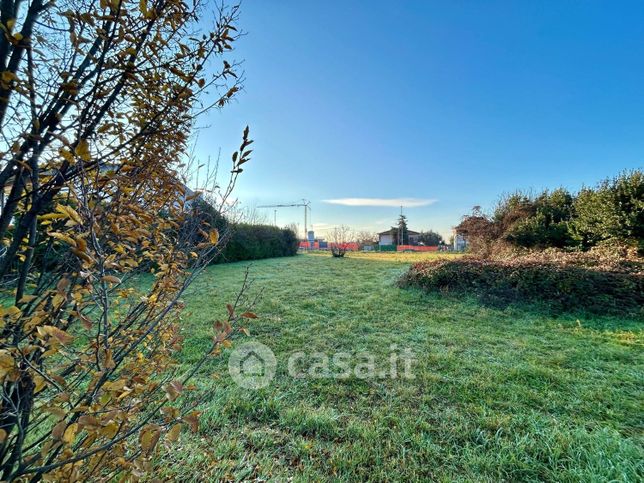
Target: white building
(460, 243)
(387, 237)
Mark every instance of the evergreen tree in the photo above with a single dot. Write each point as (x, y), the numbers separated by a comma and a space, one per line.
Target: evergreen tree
(401, 236)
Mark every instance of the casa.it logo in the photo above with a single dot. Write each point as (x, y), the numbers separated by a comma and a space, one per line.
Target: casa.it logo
(252, 365)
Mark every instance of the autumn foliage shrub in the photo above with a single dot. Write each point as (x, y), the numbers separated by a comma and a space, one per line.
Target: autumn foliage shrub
(562, 281)
(98, 103)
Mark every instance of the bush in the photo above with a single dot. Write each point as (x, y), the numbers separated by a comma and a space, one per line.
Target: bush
(613, 210)
(563, 281)
(254, 242)
(548, 222)
(241, 241)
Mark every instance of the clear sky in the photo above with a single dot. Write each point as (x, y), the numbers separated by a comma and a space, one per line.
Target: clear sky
(448, 103)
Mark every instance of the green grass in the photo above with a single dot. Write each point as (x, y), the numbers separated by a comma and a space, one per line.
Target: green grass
(498, 394)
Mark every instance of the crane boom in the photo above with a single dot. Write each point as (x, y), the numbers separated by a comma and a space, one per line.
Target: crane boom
(279, 206)
(305, 203)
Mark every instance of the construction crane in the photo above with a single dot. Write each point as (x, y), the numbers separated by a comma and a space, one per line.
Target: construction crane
(304, 204)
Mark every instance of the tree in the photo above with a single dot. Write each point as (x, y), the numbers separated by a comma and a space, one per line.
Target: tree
(366, 238)
(252, 216)
(611, 211)
(97, 102)
(339, 239)
(401, 235)
(430, 238)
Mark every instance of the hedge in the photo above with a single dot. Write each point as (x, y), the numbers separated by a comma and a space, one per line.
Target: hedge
(254, 242)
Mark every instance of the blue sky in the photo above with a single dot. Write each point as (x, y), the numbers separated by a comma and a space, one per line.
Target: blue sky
(447, 103)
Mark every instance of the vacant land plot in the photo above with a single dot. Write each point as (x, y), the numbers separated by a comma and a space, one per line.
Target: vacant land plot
(507, 394)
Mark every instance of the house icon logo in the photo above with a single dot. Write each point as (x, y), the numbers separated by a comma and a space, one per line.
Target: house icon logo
(252, 365)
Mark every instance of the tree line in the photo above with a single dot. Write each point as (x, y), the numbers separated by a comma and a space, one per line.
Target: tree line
(611, 211)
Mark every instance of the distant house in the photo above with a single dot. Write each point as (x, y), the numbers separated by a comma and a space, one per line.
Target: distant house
(460, 242)
(388, 237)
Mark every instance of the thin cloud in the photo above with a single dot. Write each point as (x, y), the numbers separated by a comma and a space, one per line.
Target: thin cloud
(387, 202)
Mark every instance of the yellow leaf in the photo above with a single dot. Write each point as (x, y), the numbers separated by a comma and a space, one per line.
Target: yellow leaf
(12, 311)
(70, 433)
(7, 363)
(213, 236)
(149, 437)
(52, 216)
(62, 336)
(62, 237)
(174, 432)
(110, 430)
(7, 76)
(67, 155)
(39, 382)
(82, 150)
(70, 212)
(10, 23)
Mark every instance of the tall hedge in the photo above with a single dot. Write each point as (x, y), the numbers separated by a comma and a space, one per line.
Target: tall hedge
(611, 211)
(241, 241)
(254, 242)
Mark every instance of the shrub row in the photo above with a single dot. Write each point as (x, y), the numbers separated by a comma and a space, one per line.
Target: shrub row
(240, 241)
(563, 285)
(254, 242)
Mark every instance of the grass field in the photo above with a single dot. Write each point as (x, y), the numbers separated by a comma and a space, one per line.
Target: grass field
(507, 394)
